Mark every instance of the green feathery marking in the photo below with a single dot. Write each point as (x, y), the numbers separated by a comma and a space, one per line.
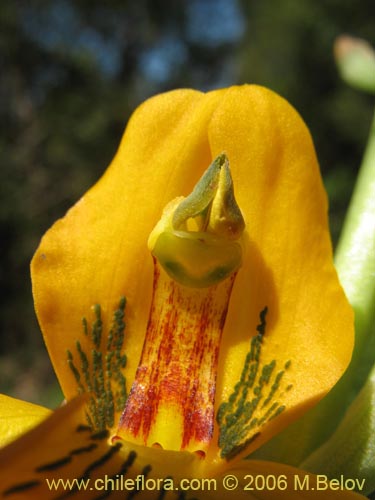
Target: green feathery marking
(85, 326)
(101, 372)
(75, 372)
(97, 327)
(257, 388)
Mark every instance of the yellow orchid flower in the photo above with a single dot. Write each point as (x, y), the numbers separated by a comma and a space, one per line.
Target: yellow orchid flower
(191, 310)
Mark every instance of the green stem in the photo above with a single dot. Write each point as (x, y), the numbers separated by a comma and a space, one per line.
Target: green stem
(355, 264)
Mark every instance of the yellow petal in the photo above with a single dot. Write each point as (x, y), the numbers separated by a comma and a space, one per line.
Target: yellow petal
(17, 417)
(98, 253)
(289, 265)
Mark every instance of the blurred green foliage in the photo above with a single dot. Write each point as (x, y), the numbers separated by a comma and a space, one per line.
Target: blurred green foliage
(72, 72)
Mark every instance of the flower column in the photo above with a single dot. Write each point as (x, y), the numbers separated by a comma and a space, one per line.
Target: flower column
(197, 250)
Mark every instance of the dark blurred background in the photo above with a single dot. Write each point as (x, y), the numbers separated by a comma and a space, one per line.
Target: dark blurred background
(71, 72)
